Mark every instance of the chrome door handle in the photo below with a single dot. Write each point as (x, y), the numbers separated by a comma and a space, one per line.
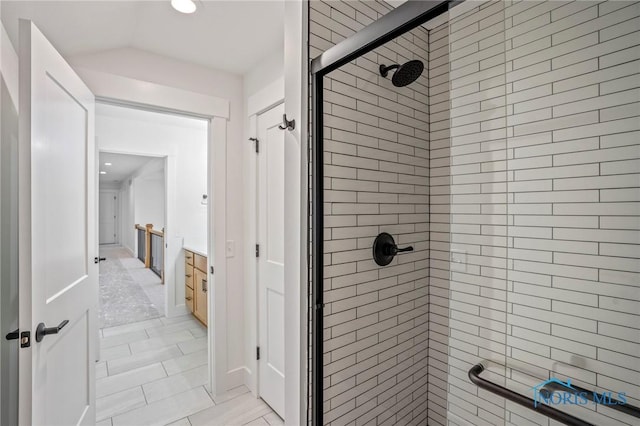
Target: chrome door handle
(42, 331)
(204, 285)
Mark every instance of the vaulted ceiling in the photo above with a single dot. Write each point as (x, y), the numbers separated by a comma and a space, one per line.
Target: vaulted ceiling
(230, 35)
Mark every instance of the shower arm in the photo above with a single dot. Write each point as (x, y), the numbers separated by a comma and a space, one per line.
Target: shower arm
(384, 69)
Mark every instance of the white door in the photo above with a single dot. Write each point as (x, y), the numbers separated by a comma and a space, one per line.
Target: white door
(108, 207)
(271, 258)
(57, 274)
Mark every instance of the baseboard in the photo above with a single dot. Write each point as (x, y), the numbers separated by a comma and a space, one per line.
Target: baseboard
(236, 377)
(176, 311)
(250, 381)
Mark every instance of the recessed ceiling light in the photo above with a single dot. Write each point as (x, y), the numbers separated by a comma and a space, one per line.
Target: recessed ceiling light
(107, 164)
(103, 172)
(184, 6)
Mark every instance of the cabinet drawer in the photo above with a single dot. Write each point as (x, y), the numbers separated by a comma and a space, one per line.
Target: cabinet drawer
(188, 298)
(188, 276)
(188, 258)
(200, 262)
(200, 295)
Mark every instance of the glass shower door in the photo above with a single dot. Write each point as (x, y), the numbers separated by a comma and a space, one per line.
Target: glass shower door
(543, 119)
(573, 298)
(469, 154)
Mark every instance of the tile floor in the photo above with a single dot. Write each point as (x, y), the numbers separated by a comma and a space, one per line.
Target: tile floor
(154, 372)
(129, 292)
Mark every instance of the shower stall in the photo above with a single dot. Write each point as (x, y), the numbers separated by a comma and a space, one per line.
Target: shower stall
(475, 213)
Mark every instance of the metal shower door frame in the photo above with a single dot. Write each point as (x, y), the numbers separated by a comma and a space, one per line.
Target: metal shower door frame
(406, 17)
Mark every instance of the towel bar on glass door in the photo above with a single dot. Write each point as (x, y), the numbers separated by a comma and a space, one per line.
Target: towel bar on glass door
(552, 413)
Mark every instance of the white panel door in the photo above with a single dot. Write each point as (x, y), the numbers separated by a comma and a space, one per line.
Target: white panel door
(57, 273)
(108, 208)
(271, 260)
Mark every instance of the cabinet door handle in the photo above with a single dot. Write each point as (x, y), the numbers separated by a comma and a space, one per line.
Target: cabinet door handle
(189, 298)
(204, 285)
(188, 275)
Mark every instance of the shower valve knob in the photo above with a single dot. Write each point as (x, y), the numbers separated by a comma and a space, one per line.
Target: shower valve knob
(385, 249)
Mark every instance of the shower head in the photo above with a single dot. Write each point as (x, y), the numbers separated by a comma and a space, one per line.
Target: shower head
(405, 74)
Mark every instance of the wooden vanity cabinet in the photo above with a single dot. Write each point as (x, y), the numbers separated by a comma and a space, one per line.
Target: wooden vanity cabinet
(196, 285)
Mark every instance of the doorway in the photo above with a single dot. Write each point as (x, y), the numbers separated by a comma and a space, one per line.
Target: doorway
(214, 111)
(156, 165)
(108, 217)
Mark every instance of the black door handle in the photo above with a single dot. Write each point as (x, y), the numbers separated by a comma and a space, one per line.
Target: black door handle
(42, 331)
(15, 334)
(99, 259)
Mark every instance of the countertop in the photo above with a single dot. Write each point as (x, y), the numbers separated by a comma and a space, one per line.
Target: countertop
(195, 250)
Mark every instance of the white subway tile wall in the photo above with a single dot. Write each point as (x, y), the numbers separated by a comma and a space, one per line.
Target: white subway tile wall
(512, 166)
(376, 155)
(544, 150)
(585, 276)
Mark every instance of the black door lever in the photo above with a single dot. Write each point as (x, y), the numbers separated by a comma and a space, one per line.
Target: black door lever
(99, 259)
(15, 334)
(42, 331)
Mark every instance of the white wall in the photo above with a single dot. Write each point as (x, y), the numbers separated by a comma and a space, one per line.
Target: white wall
(267, 71)
(296, 30)
(149, 201)
(127, 233)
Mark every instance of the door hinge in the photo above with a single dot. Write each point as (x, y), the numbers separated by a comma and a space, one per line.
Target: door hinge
(257, 144)
(258, 353)
(257, 250)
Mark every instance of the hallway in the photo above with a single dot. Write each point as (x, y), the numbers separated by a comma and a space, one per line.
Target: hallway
(154, 372)
(129, 292)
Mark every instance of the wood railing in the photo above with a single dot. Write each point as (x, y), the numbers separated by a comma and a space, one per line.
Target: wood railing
(151, 248)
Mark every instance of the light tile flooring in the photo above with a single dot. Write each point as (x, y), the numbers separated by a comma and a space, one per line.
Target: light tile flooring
(129, 292)
(154, 372)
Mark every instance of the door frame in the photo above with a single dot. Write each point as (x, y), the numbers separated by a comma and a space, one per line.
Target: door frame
(118, 213)
(133, 93)
(257, 104)
(296, 216)
(9, 73)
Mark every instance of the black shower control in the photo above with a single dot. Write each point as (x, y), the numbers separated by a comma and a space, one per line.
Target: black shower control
(385, 249)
